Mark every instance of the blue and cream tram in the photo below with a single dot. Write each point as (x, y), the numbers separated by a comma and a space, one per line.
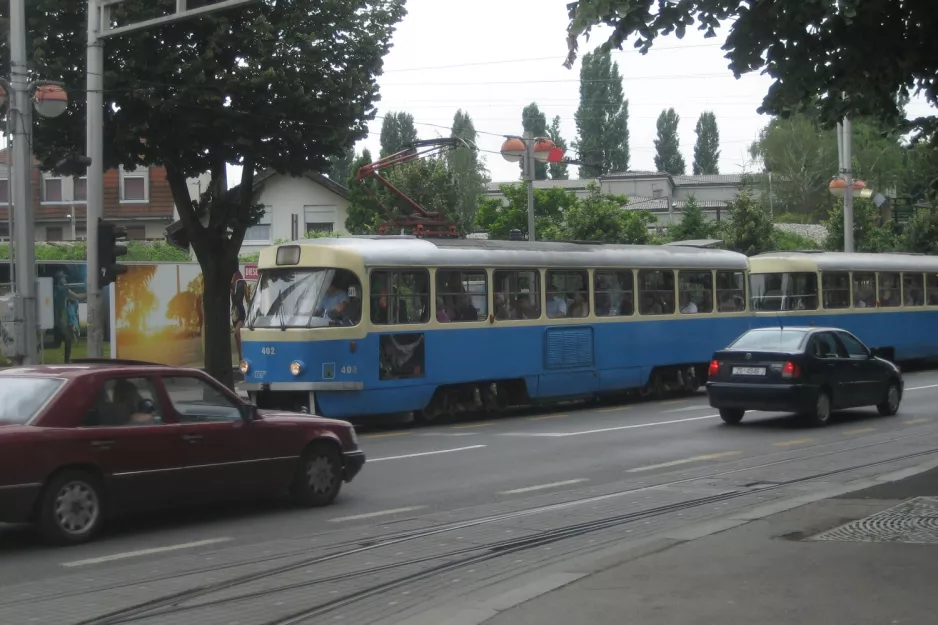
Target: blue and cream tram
(360, 326)
(889, 301)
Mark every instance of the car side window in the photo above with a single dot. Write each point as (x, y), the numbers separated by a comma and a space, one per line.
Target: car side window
(123, 402)
(855, 348)
(826, 346)
(197, 401)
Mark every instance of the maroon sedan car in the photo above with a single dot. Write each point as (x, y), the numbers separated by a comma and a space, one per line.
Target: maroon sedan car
(82, 442)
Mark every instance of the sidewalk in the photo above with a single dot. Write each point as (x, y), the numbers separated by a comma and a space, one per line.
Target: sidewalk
(774, 571)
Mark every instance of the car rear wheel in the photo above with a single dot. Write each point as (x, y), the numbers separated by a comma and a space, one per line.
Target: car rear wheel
(318, 477)
(890, 405)
(71, 510)
(821, 415)
(732, 416)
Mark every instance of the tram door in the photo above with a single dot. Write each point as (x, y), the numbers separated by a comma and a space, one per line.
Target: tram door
(569, 354)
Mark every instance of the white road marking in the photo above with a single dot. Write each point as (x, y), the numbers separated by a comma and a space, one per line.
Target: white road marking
(918, 388)
(144, 552)
(674, 463)
(374, 514)
(686, 408)
(615, 429)
(542, 487)
(426, 453)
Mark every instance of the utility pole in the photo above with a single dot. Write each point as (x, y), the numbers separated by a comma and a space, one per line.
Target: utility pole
(100, 28)
(848, 180)
(529, 177)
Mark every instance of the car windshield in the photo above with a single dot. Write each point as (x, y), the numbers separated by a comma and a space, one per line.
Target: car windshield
(22, 397)
(770, 340)
(305, 298)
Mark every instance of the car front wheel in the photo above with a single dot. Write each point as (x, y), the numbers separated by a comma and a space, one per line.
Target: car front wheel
(319, 476)
(732, 416)
(71, 510)
(890, 404)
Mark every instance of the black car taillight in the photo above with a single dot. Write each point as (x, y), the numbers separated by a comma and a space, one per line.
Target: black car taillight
(791, 370)
(714, 369)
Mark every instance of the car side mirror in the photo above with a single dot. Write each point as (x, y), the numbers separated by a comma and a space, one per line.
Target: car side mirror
(248, 412)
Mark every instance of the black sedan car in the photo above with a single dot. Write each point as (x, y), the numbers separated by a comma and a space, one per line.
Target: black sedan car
(805, 370)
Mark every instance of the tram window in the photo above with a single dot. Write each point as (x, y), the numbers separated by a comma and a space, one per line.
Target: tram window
(695, 291)
(783, 291)
(931, 289)
(517, 294)
(461, 295)
(305, 298)
(913, 289)
(864, 290)
(400, 297)
(656, 290)
(567, 294)
(835, 288)
(731, 291)
(890, 289)
(614, 293)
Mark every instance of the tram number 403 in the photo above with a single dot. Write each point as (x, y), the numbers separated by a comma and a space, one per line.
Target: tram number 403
(348, 369)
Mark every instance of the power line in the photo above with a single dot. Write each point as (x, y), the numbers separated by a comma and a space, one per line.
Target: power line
(624, 81)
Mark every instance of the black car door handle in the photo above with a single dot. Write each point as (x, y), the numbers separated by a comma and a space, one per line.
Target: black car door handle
(102, 443)
(191, 437)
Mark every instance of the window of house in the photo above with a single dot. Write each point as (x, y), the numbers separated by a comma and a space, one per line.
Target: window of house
(133, 185)
(567, 294)
(931, 289)
(614, 293)
(319, 227)
(53, 233)
(136, 233)
(461, 295)
(80, 190)
(517, 294)
(656, 290)
(864, 289)
(318, 219)
(913, 289)
(890, 289)
(52, 190)
(4, 191)
(400, 296)
(731, 291)
(835, 289)
(81, 231)
(695, 292)
(261, 231)
(5, 229)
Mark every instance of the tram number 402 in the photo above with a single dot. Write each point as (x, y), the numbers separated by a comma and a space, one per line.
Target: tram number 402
(268, 351)
(348, 369)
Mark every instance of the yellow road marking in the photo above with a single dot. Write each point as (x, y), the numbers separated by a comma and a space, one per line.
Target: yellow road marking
(795, 442)
(613, 409)
(914, 421)
(860, 431)
(552, 416)
(471, 425)
(685, 461)
(385, 435)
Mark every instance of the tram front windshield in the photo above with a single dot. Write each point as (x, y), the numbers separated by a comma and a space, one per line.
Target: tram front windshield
(305, 298)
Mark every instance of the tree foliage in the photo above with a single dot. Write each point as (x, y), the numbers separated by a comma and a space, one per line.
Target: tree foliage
(871, 233)
(602, 119)
(921, 232)
(557, 171)
(468, 172)
(693, 224)
(397, 132)
(749, 230)
(340, 167)
(498, 218)
(363, 214)
(667, 146)
(852, 57)
(707, 148)
(242, 86)
(535, 122)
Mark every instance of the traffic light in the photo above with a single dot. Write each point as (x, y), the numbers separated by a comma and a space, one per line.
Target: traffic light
(109, 248)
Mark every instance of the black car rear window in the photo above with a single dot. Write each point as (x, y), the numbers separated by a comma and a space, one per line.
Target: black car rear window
(770, 340)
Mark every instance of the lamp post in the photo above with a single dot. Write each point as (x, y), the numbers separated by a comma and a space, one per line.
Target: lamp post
(529, 150)
(20, 97)
(838, 188)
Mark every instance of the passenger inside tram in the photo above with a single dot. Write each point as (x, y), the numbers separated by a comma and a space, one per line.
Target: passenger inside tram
(556, 303)
(687, 306)
(523, 309)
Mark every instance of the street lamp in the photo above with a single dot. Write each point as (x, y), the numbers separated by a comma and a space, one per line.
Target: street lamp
(529, 149)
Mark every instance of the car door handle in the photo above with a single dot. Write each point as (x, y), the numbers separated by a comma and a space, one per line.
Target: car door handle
(102, 444)
(192, 437)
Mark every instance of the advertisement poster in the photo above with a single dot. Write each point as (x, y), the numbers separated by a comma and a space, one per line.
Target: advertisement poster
(158, 315)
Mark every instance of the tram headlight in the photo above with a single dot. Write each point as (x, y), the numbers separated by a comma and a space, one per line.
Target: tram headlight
(296, 367)
(244, 366)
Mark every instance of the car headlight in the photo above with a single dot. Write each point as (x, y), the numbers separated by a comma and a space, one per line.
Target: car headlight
(296, 367)
(245, 366)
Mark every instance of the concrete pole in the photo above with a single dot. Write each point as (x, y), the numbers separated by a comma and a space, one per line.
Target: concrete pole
(22, 188)
(529, 176)
(848, 192)
(94, 114)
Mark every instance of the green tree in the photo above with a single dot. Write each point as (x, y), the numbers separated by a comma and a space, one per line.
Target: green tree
(707, 148)
(918, 177)
(921, 232)
(397, 132)
(792, 241)
(469, 173)
(535, 122)
(602, 119)
(243, 87)
(498, 217)
(558, 171)
(340, 167)
(364, 214)
(667, 146)
(693, 224)
(871, 233)
(603, 217)
(850, 57)
(750, 230)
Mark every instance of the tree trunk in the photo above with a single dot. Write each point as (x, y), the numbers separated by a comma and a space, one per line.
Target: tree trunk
(216, 275)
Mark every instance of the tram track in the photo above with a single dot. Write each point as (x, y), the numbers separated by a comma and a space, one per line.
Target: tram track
(183, 601)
